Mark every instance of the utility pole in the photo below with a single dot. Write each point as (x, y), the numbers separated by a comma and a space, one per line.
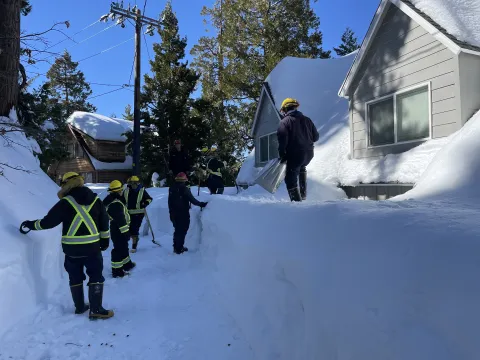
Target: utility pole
(116, 9)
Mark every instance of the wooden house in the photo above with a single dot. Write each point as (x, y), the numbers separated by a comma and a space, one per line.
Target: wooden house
(97, 148)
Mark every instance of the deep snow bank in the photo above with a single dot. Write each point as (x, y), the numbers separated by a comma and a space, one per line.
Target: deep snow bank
(30, 265)
(454, 173)
(347, 280)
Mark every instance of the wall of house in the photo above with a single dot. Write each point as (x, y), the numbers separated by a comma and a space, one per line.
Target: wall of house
(403, 54)
(267, 123)
(376, 191)
(110, 151)
(469, 70)
(109, 176)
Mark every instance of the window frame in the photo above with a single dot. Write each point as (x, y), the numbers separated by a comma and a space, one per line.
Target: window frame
(394, 95)
(268, 147)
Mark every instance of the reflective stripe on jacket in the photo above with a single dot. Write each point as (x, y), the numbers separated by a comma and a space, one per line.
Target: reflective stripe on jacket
(82, 217)
(123, 229)
(138, 209)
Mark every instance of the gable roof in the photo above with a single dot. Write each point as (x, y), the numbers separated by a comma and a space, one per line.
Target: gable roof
(100, 127)
(266, 91)
(428, 23)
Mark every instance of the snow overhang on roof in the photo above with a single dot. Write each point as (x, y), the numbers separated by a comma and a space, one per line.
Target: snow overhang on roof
(424, 20)
(100, 127)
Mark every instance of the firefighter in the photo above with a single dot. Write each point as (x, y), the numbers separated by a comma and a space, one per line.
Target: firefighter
(85, 234)
(119, 230)
(137, 199)
(178, 159)
(213, 167)
(179, 200)
(296, 136)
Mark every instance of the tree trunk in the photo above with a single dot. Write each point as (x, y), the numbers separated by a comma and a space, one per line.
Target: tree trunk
(9, 54)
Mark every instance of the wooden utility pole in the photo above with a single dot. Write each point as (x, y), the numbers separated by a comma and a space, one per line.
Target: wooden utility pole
(134, 14)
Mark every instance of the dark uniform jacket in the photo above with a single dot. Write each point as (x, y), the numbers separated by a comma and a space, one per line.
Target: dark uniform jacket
(136, 200)
(296, 133)
(64, 213)
(214, 166)
(179, 199)
(119, 217)
(178, 161)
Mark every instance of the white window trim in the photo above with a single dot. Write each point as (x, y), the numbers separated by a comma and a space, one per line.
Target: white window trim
(394, 96)
(268, 147)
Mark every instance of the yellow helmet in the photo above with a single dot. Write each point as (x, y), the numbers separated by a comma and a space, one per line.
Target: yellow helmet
(213, 148)
(289, 102)
(133, 178)
(115, 186)
(69, 176)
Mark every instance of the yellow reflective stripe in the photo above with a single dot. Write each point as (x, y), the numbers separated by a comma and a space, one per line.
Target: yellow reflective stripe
(82, 216)
(126, 192)
(125, 212)
(140, 197)
(136, 211)
(37, 225)
(117, 265)
(80, 240)
(149, 200)
(124, 228)
(105, 234)
(76, 285)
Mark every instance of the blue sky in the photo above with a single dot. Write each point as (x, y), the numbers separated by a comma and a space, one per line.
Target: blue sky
(114, 66)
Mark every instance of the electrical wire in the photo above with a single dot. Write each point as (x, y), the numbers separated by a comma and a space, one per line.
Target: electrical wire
(89, 82)
(108, 92)
(105, 50)
(71, 38)
(144, 6)
(146, 46)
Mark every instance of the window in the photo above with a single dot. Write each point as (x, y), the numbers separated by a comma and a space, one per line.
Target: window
(268, 147)
(401, 117)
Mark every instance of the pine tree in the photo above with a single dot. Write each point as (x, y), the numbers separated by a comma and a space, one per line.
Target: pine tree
(167, 107)
(67, 84)
(349, 43)
(128, 114)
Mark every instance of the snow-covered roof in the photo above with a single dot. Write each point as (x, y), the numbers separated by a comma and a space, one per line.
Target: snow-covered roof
(314, 83)
(455, 23)
(100, 127)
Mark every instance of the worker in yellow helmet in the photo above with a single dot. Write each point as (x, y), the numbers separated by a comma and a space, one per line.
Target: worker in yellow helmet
(136, 199)
(213, 169)
(119, 230)
(85, 234)
(296, 137)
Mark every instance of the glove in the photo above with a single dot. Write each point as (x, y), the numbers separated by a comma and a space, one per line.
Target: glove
(203, 204)
(144, 204)
(29, 224)
(282, 159)
(104, 244)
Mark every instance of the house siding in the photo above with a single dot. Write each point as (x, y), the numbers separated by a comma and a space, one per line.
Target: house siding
(403, 54)
(267, 123)
(469, 75)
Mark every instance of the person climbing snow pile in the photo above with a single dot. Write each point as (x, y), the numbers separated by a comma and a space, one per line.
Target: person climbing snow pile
(137, 199)
(85, 234)
(119, 230)
(179, 200)
(178, 159)
(296, 137)
(214, 167)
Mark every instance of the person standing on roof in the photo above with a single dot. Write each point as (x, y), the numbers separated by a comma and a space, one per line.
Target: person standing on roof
(178, 159)
(296, 137)
(137, 199)
(119, 230)
(85, 234)
(179, 200)
(214, 167)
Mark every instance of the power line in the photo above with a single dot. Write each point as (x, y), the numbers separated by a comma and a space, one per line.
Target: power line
(89, 82)
(71, 38)
(105, 50)
(144, 6)
(108, 92)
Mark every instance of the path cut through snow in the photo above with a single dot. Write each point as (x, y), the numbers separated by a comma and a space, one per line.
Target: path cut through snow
(166, 309)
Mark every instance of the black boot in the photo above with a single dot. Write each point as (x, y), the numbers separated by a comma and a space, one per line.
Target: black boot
(79, 299)
(178, 251)
(118, 272)
(185, 249)
(95, 295)
(294, 194)
(129, 265)
(303, 184)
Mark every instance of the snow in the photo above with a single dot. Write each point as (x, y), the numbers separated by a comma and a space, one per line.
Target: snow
(101, 165)
(319, 81)
(100, 127)
(48, 125)
(30, 265)
(454, 172)
(460, 18)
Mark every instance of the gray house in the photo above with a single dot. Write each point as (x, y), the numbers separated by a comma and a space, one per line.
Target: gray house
(411, 81)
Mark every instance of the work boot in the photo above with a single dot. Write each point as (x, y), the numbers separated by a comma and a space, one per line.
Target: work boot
(134, 243)
(118, 272)
(294, 194)
(303, 185)
(95, 295)
(79, 299)
(129, 265)
(178, 251)
(185, 249)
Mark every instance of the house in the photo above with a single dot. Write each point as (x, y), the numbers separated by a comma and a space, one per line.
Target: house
(411, 85)
(97, 147)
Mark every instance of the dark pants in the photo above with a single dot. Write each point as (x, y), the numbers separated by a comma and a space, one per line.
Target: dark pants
(135, 223)
(93, 264)
(120, 255)
(181, 223)
(215, 184)
(296, 163)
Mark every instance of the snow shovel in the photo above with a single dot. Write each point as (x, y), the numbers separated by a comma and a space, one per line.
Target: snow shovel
(150, 226)
(272, 175)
